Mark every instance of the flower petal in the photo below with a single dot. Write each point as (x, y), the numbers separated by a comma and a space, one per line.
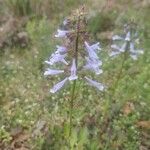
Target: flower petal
(61, 49)
(61, 33)
(95, 46)
(58, 86)
(128, 36)
(52, 72)
(73, 75)
(96, 84)
(57, 57)
(91, 52)
(93, 65)
(123, 47)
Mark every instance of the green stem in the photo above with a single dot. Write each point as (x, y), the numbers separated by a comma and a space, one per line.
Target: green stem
(120, 72)
(71, 105)
(74, 82)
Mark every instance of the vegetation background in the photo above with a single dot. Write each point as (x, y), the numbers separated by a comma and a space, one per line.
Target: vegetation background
(33, 119)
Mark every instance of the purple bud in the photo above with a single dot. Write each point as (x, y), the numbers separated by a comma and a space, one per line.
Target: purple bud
(58, 86)
(52, 72)
(73, 75)
(96, 84)
(61, 33)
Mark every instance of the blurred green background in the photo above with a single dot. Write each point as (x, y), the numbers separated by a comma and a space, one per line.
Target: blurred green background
(32, 118)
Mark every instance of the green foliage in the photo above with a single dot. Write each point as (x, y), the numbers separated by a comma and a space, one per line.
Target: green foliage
(39, 8)
(102, 22)
(19, 7)
(100, 121)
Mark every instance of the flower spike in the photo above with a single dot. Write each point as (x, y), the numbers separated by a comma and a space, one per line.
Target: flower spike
(70, 52)
(127, 42)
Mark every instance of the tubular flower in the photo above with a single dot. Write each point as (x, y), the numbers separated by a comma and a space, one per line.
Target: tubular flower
(93, 65)
(91, 50)
(70, 55)
(73, 75)
(61, 49)
(96, 84)
(58, 86)
(52, 72)
(128, 41)
(61, 33)
(57, 57)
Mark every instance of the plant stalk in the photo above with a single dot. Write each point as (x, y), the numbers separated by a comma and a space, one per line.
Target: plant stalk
(74, 82)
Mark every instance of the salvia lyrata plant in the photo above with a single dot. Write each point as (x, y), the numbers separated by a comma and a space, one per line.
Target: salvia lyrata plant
(78, 55)
(126, 43)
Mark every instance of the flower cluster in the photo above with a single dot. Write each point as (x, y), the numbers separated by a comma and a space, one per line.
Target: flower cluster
(76, 55)
(126, 43)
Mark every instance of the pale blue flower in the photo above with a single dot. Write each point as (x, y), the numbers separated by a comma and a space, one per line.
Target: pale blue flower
(128, 36)
(96, 84)
(57, 57)
(93, 65)
(134, 53)
(73, 70)
(65, 22)
(123, 47)
(52, 72)
(128, 45)
(91, 50)
(61, 49)
(58, 86)
(93, 47)
(61, 33)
